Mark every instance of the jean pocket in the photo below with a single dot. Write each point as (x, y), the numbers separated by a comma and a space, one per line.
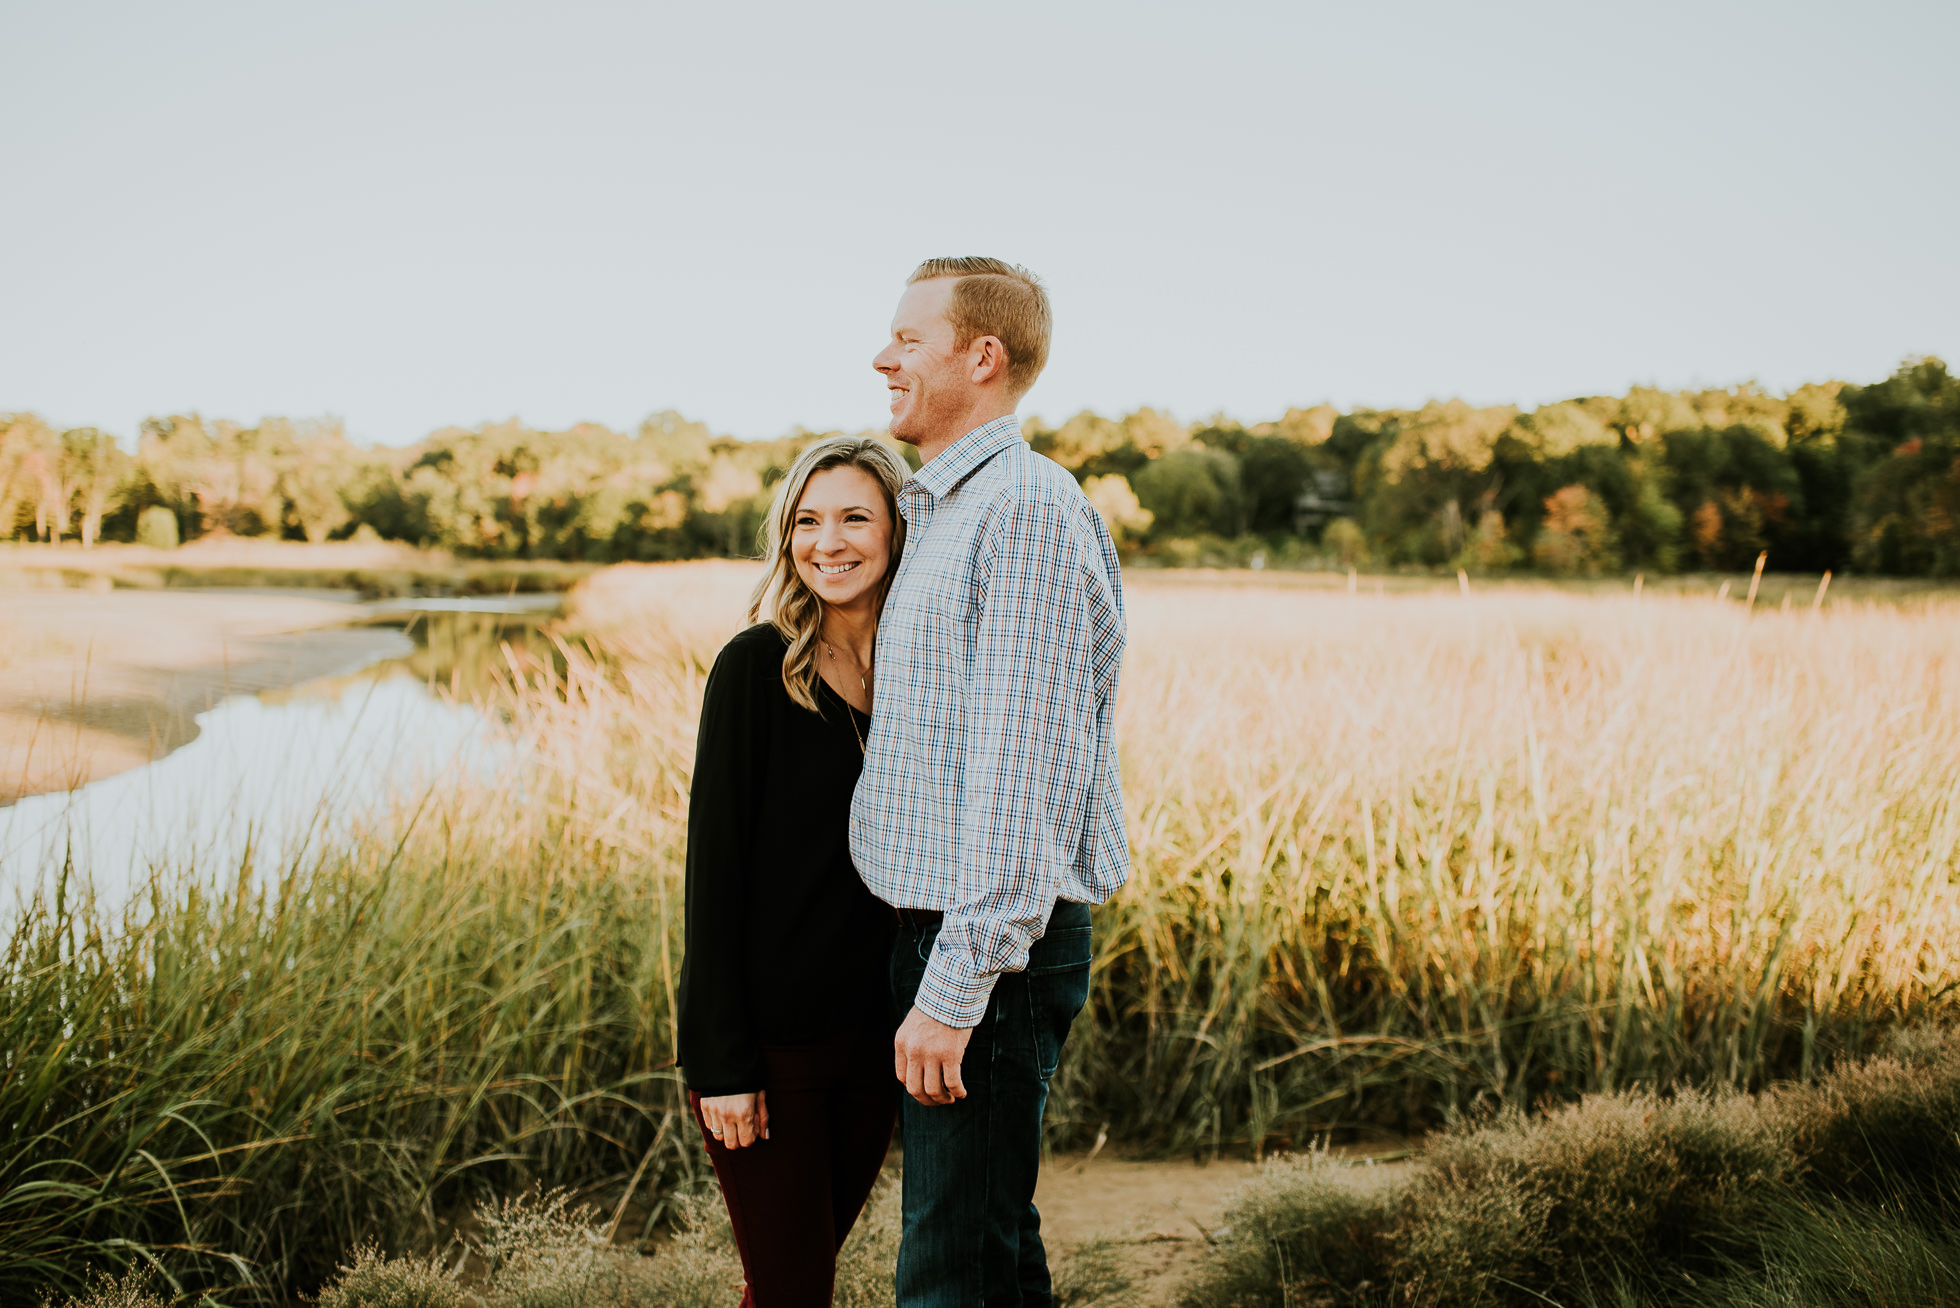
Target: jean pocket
(1059, 951)
(1055, 996)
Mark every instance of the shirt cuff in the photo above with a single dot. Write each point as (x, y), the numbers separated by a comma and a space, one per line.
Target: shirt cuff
(952, 993)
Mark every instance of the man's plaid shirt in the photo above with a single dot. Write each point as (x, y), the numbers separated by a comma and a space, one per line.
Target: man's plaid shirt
(990, 786)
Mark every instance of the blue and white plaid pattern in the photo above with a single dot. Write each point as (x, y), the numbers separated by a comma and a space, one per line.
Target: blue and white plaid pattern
(990, 786)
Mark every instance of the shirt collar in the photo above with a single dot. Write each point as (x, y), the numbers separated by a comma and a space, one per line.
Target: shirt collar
(964, 456)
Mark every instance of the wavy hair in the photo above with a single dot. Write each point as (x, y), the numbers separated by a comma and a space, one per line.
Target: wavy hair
(781, 598)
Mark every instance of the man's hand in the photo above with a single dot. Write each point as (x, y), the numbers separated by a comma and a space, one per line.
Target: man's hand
(737, 1121)
(926, 1056)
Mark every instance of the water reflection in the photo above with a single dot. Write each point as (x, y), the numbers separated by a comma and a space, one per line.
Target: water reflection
(465, 651)
(274, 777)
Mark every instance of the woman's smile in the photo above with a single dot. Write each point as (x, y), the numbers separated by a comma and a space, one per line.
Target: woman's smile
(836, 569)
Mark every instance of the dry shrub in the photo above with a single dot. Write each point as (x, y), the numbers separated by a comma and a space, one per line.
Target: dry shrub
(133, 1289)
(1308, 1231)
(540, 1251)
(1870, 1130)
(698, 1266)
(1837, 1193)
(374, 1280)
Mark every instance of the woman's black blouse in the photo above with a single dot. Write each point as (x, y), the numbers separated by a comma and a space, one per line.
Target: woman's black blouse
(785, 946)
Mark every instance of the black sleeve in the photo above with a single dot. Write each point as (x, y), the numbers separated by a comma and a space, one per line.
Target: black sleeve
(717, 1042)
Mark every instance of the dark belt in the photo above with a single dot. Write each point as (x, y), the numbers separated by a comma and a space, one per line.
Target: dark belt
(919, 918)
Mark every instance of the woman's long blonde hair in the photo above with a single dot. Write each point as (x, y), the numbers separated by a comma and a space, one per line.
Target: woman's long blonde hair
(781, 599)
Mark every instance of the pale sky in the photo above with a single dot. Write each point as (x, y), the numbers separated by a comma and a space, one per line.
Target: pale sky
(412, 214)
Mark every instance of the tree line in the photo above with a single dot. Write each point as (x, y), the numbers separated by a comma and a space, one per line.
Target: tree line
(1830, 475)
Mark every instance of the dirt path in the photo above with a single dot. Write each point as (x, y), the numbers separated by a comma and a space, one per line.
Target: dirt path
(1158, 1214)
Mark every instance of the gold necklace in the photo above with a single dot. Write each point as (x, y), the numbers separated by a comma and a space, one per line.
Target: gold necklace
(863, 685)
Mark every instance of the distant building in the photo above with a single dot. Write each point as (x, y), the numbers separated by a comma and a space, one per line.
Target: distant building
(1324, 500)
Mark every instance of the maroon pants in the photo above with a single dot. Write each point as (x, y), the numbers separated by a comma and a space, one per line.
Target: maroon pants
(793, 1197)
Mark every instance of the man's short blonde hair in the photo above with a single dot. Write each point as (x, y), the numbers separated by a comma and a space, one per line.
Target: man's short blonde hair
(995, 298)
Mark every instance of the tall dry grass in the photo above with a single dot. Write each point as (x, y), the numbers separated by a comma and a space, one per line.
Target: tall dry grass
(1407, 853)
(1395, 855)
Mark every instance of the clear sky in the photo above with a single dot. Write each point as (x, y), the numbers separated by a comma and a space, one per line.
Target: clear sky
(415, 213)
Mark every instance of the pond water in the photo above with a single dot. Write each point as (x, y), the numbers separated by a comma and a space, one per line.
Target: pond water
(275, 777)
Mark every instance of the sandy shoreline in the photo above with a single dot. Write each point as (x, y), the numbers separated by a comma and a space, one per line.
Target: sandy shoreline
(93, 683)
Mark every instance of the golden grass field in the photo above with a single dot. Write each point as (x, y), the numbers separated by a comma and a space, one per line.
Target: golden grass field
(1504, 842)
(1395, 855)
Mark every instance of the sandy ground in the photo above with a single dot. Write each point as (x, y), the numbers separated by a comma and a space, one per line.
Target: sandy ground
(1158, 1215)
(1155, 1214)
(56, 565)
(95, 682)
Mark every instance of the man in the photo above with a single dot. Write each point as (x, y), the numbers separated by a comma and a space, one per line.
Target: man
(989, 814)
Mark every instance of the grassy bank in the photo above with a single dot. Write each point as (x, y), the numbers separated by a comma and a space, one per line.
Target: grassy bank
(1395, 857)
(1842, 1192)
(242, 1085)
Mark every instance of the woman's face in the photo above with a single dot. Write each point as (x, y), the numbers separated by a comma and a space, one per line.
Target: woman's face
(841, 535)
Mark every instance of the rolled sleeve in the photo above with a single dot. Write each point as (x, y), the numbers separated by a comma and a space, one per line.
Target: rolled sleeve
(951, 991)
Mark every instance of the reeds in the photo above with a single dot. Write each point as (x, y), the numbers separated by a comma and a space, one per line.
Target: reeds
(237, 1088)
(1399, 855)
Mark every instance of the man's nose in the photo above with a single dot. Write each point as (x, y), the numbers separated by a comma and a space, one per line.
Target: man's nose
(883, 363)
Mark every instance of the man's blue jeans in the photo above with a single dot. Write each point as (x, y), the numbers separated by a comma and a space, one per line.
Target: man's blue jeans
(972, 1236)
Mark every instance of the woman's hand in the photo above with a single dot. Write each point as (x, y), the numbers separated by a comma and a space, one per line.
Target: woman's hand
(737, 1121)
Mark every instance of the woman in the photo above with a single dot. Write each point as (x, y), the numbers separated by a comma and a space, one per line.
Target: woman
(785, 1015)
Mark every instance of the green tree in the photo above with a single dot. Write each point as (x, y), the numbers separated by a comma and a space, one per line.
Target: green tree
(1906, 513)
(99, 473)
(1087, 445)
(1737, 490)
(1192, 491)
(1426, 475)
(1273, 471)
(1577, 537)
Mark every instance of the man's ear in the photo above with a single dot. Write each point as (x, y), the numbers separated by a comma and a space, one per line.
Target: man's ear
(989, 359)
